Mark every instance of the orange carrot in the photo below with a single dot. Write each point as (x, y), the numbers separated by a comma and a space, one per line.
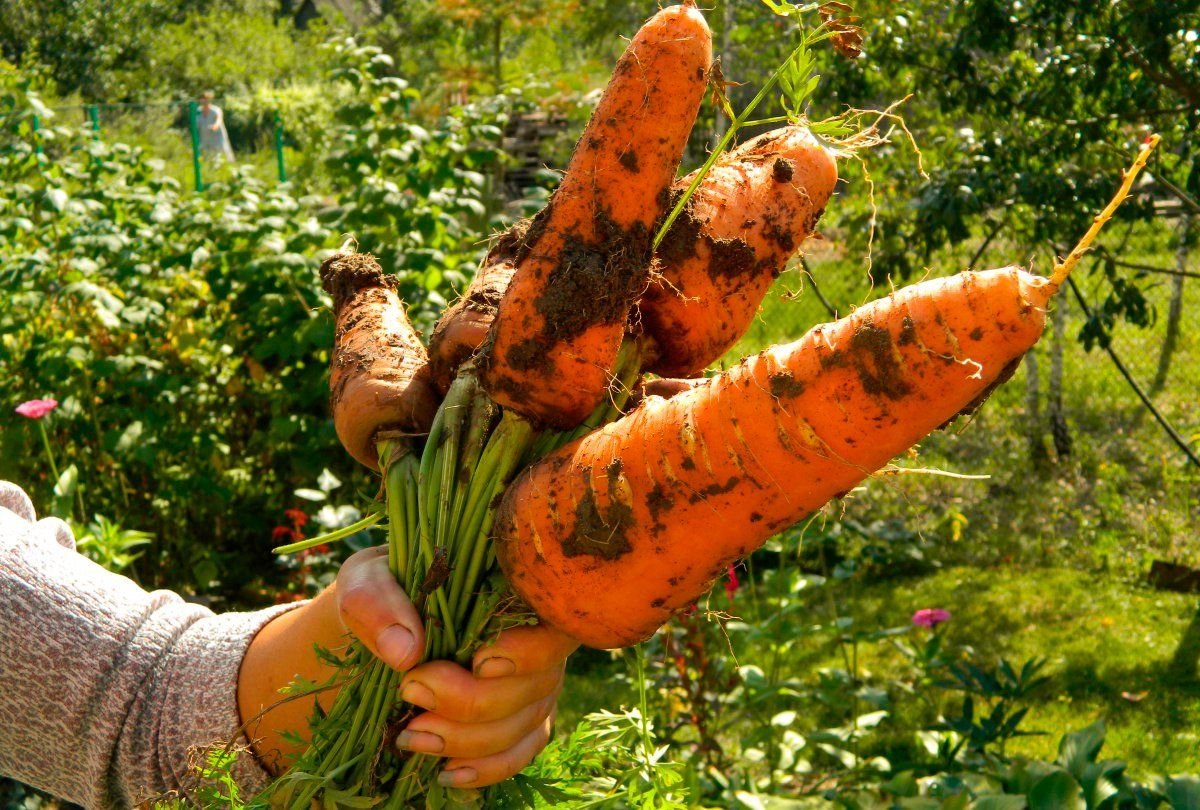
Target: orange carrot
(464, 325)
(746, 219)
(379, 377)
(610, 535)
(586, 259)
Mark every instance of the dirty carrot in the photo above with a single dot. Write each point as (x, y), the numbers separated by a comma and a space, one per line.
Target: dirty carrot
(719, 257)
(609, 536)
(585, 259)
(379, 375)
(464, 324)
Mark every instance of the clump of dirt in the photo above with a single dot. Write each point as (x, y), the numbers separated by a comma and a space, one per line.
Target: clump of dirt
(629, 161)
(679, 243)
(785, 385)
(779, 232)
(783, 170)
(342, 274)
(730, 258)
(875, 361)
(528, 355)
(870, 352)
(714, 489)
(594, 283)
(658, 501)
(598, 535)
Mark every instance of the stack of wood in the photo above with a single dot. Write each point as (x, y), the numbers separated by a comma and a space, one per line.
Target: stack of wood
(525, 140)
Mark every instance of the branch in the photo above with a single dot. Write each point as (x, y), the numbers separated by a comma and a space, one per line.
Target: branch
(1187, 199)
(988, 240)
(1172, 79)
(1137, 389)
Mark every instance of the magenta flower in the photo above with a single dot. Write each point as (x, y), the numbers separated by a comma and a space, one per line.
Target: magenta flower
(37, 408)
(930, 617)
(731, 583)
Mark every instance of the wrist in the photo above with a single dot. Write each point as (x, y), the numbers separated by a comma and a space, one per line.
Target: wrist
(279, 654)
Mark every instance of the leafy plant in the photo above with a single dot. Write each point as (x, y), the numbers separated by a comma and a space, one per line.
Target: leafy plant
(110, 545)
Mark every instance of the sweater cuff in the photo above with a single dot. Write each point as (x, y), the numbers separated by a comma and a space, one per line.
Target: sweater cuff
(201, 700)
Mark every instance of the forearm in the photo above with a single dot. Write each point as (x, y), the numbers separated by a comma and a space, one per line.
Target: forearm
(281, 652)
(106, 690)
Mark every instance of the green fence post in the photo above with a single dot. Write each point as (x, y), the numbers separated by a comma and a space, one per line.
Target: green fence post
(194, 126)
(37, 138)
(279, 148)
(94, 116)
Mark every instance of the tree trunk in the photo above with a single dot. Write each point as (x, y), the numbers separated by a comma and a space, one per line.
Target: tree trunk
(1033, 412)
(1175, 309)
(498, 56)
(1058, 420)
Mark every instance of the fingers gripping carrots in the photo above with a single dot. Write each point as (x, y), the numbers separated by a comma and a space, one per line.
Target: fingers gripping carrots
(380, 376)
(585, 260)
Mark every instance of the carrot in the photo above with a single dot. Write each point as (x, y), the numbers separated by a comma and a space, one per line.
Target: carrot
(715, 264)
(746, 219)
(464, 325)
(586, 259)
(608, 536)
(379, 377)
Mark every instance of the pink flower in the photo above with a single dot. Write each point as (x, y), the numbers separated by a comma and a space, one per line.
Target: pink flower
(37, 408)
(731, 583)
(930, 617)
(298, 517)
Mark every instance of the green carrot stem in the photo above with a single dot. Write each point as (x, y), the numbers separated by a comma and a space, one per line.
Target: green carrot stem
(723, 144)
(337, 534)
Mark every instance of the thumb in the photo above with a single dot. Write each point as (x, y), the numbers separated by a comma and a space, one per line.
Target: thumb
(376, 610)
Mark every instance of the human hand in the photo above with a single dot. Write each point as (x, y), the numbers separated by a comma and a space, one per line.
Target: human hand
(491, 721)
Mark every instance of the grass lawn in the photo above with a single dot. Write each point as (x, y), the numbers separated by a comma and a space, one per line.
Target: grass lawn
(1117, 651)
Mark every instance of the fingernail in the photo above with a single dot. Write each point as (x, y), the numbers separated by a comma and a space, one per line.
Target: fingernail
(395, 645)
(459, 777)
(495, 667)
(421, 741)
(418, 694)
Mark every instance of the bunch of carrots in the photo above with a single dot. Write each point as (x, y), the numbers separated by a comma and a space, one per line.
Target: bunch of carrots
(555, 455)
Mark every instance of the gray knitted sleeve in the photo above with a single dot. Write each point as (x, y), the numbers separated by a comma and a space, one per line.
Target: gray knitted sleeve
(105, 689)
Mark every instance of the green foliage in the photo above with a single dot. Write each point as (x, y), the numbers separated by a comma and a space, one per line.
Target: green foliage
(106, 543)
(147, 311)
(225, 49)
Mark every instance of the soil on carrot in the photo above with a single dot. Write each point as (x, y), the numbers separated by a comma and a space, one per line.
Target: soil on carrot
(593, 283)
(783, 170)
(596, 534)
(344, 273)
(872, 356)
(784, 385)
(728, 258)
